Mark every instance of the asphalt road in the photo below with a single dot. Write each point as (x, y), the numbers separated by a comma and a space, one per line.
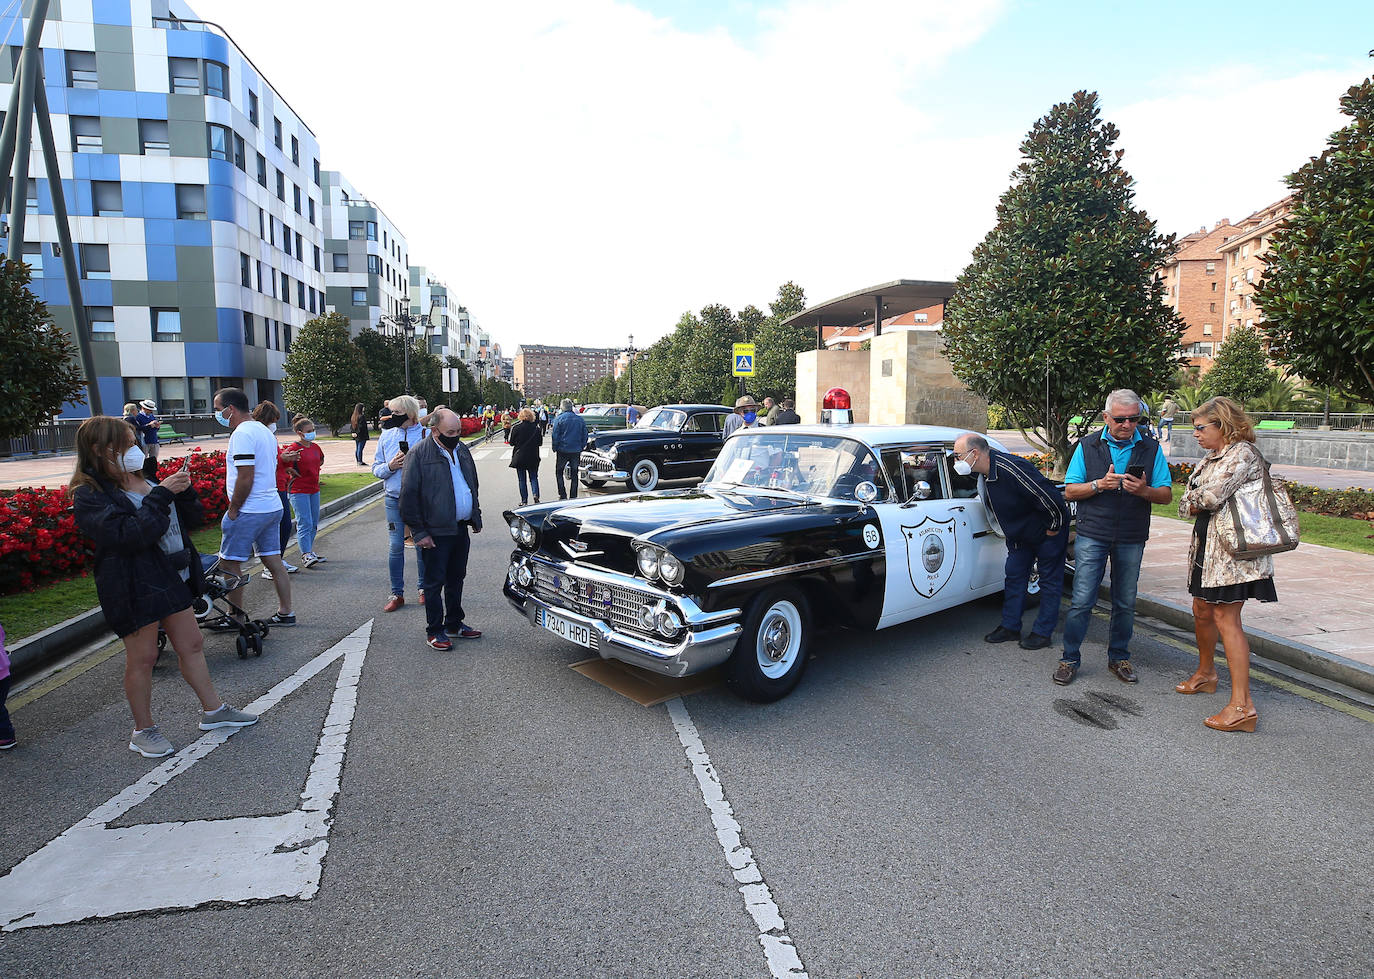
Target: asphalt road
(923, 805)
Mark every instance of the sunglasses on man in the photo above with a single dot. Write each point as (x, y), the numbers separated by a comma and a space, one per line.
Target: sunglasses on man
(1123, 419)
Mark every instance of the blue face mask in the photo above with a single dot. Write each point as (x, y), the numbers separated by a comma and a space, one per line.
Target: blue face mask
(308, 436)
(750, 417)
(222, 419)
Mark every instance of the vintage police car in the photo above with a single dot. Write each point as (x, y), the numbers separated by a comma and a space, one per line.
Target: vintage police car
(857, 525)
(669, 442)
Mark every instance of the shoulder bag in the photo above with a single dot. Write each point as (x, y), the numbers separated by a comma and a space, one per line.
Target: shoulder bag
(1259, 518)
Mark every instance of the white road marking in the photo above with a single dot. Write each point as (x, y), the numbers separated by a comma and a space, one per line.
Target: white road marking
(778, 950)
(481, 454)
(92, 871)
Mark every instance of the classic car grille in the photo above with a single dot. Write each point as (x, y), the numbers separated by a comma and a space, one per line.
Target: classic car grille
(585, 597)
(597, 461)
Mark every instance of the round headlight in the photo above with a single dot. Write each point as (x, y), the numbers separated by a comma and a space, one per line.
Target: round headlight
(668, 622)
(524, 577)
(646, 616)
(648, 562)
(514, 528)
(526, 533)
(510, 574)
(671, 569)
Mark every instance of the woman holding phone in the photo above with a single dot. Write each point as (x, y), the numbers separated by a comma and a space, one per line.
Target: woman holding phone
(402, 431)
(146, 571)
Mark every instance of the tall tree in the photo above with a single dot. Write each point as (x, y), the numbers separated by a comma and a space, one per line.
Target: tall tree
(777, 345)
(38, 362)
(1317, 292)
(1061, 303)
(1241, 371)
(325, 373)
(383, 357)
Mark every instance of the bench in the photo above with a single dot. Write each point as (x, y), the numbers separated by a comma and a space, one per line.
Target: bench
(1272, 425)
(166, 433)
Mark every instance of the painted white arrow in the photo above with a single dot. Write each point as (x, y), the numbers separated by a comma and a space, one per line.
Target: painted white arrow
(93, 871)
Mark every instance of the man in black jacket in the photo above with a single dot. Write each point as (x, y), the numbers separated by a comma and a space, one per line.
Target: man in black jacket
(1035, 520)
(439, 504)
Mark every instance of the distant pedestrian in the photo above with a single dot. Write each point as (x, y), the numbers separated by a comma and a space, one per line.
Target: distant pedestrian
(7, 738)
(1219, 582)
(543, 419)
(507, 420)
(358, 425)
(770, 412)
(401, 434)
(146, 571)
(302, 487)
(631, 416)
(525, 440)
(149, 424)
(269, 416)
(787, 414)
(255, 510)
(569, 439)
(1166, 419)
(439, 503)
(746, 416)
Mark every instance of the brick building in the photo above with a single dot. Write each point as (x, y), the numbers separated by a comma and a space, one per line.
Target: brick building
(541, 372)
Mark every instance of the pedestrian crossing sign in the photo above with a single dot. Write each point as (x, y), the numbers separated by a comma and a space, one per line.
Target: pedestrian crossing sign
(744, 360)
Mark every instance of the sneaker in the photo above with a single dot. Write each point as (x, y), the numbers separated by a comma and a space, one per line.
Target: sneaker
(221, 624)
(439, 642)
(1001, 634)
(1064, 673)
(290, 568)
(281, 621)
(150, 743)
(422, 596)
(393, 603)
(467, 632)
(265, 575)
(310, 560)
(226, 716)
(318, 558)
(7, 743)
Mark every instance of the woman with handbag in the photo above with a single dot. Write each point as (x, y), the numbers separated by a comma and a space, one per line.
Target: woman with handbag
(525, 439)
(1219, 581)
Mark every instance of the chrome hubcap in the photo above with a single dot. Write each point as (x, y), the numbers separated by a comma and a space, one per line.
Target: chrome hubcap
(776, 638)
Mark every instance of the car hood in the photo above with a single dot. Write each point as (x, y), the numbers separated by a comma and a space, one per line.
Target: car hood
(604, 440)
(640, 513)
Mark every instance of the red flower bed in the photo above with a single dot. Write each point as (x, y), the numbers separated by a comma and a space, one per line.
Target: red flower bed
(39, 541)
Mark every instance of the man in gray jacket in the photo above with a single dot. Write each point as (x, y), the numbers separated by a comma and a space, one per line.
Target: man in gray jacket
(439, 503)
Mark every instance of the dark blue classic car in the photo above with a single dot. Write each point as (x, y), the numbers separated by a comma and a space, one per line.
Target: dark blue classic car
(669, 442)
(857, 525)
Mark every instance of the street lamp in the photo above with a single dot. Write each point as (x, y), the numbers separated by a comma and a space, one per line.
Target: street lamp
(406, 321)
(631, 351)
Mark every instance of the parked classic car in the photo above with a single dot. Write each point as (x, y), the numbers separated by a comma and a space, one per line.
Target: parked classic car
(670, 442)
(857, 526)
(603, 417)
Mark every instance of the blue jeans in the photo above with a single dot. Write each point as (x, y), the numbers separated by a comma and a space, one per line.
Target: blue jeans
(358, 450)
(1021, 557)
(1090, 563)
(571, 460)
(307, 508)
(285, 527)
(396, 557)
(533, 474)
(445, 567)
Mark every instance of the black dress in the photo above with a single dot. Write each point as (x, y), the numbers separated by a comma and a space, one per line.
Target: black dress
(1261, 589)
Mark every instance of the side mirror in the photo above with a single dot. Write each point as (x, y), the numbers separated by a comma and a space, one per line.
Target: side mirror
(866, 492)
(921, 491)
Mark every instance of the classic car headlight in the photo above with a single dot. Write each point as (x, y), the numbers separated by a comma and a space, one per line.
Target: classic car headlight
(647, 559)
(668, 622)
(514, 527)
(524, 577)
(521, 531)
(671, 569)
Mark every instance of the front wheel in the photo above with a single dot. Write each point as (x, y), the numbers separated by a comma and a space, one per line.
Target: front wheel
(644, 475)
(771, 653)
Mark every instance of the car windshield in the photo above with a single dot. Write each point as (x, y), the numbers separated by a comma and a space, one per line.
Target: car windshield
(817, 465)
(667, 419)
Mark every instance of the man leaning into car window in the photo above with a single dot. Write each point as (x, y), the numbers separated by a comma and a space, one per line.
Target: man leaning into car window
(1035, 520)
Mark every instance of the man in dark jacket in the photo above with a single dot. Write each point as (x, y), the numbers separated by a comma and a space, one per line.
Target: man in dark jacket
(439, 504)
(569, 439)
(1035, 520)
(787, 414)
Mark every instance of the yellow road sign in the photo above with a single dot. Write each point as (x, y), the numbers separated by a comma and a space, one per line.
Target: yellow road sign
(744, 360)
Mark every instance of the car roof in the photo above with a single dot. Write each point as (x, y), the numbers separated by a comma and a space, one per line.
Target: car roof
(876, 435)
(695, 407)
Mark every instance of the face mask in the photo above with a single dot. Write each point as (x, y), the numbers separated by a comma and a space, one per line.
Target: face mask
(272, 427)
(962, 467)
(223, 419)
(449, 441)
(750, 417)
(308, 436)
(133, 459)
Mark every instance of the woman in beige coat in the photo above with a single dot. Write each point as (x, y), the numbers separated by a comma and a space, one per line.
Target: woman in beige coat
(1219, 582)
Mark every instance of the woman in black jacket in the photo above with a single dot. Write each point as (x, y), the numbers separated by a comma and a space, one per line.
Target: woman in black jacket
(360, 431)
(525, 440)
(146, 569)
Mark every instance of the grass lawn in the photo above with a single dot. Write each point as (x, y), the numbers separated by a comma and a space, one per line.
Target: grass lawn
(1316, 528)
(29, 612)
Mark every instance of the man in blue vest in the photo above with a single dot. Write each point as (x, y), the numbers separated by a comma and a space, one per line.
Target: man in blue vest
(1114, 477)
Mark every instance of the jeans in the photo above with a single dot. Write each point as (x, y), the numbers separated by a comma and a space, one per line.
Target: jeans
(285, 528)
(358, 450)
(396, 557)
(307, 508)
(1166, 425)
(1090, 562)
(6, 728)
(445, 567)
(533, 475)
(1049, 553)
(567, 459)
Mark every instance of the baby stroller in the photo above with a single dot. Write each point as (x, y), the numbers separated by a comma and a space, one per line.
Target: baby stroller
(214, 611)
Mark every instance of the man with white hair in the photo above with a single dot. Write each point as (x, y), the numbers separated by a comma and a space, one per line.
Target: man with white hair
(1114, 477)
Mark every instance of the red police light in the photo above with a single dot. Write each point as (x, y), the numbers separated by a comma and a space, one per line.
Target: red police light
(836, 399)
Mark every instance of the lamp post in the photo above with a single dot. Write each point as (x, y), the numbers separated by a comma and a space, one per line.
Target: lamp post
(406, 321)
(631, 351)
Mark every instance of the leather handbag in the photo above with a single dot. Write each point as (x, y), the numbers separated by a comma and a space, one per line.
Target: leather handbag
(1259, 518)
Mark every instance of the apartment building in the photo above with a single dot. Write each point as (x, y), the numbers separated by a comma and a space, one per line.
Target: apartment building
(543, 371)
(367, 275)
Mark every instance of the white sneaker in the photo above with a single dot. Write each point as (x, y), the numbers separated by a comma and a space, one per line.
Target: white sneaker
(290, 568)
(265, 575)
(310, 560)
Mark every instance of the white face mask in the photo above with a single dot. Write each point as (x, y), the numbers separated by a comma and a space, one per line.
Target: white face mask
(272, 427)
(133, 459)
(962, 467)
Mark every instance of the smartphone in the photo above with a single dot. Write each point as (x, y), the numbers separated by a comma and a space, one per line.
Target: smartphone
(1137, 471)
(404, 446)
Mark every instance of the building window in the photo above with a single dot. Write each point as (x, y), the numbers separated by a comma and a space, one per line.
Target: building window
(384, 244)
(152, 137)
(262, 169)
(107, 198)
(32, 256)
(95, 261)
(310, 206)
(374, 264)
(166, 324)
(1206, 329)
(355, 230)
(191, 202)
(1211, 268)
(340, 262)
(281, 186)
(285, 288)
(295, 151)
(253, 108)
(359, 296)
(86, 134)
(276, 335)
(1214, 287)
(286, 240)
(216, 80)
(276, 131)
(372, 231)
(312, 300)
(183, 76)
(300, 244)
(317, 258)
(1249, 275)
(296, 193)
(317, 173)
(245, 270)
(1211, 307)
(262, 223)
(259, 277)
(248, 329)
(286, 336)
(240, 156)
(300, 294)
(102, 323)
(219, 141)
(81, 71)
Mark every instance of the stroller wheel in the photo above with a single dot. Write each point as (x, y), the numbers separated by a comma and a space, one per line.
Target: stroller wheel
(261, 627)
(256, 645)
(161, 641)
(241, 644)
(201, 607)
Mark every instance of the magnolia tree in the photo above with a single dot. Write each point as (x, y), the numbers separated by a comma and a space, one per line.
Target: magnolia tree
(325, 372)
(1241, 371)
(38, 365)
(1061, 302)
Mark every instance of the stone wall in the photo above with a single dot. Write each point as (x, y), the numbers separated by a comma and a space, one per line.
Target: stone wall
(1327, 450)
(913, 384)
(820, 370)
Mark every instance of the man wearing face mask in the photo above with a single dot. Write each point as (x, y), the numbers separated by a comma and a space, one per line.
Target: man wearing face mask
(439, 503)
(1035, 520)
(746, 416)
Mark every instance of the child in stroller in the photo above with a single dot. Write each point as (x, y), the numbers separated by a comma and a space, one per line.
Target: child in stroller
(214, 610)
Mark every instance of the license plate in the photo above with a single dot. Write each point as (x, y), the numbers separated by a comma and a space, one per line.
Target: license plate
(565, 628)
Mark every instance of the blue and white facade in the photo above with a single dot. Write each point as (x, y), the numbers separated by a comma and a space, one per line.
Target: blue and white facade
(366, 258)
(196, 202)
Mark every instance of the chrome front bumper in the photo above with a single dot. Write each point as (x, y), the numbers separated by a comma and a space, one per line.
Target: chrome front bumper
(597, 465)
(707, 640)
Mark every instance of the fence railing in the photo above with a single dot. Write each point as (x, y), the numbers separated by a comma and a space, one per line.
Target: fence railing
(1341, 421)
(60, 436)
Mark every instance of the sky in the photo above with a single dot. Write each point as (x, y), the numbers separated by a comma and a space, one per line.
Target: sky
(578, 171)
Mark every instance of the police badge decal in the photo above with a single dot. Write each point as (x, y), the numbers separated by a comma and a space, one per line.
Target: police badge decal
(931, 550)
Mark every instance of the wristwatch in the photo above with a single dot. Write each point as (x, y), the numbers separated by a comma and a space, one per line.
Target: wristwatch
(1093, 484)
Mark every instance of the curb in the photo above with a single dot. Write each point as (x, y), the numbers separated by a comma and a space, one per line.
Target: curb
(1289, 652)
(54, 642)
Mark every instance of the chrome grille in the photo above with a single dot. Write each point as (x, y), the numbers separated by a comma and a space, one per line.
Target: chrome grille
(597, 461)
(581, 595)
